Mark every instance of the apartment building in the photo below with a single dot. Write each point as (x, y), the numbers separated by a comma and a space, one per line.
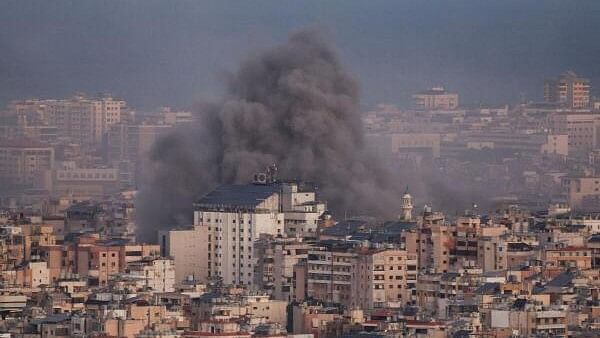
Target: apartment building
(435, 242)
(569, 257)
(580, 127)
(188, 247)
(24, 162)
(436, 98)
(329, 271)
(532, 320)
(582, 192)
(286, 256)
(385, 278)
(569, 90)
(234, 217)
(82, 183)
(154, 274)
(83, 119)
(302, 210)
(468, 228)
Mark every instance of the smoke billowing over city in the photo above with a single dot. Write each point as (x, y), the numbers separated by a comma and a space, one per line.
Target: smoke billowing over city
(302, 169)
(294, 106)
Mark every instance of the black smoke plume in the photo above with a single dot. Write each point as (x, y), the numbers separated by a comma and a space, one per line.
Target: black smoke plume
(295, 106)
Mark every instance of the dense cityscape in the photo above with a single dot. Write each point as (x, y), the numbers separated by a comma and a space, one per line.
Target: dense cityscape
(287, 207)
(267, 258)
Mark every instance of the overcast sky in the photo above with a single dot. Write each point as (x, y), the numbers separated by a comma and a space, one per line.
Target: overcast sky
(155, 53)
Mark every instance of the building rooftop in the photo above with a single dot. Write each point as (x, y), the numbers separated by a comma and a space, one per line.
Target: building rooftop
(488, 289)
(434, 91)
(245, 196)
(562, 280)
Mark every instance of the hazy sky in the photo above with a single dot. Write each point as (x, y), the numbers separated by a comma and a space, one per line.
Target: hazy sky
(171, 52)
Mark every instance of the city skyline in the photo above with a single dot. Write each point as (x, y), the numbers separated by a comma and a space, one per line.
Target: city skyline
(161, 55)
(262, 169)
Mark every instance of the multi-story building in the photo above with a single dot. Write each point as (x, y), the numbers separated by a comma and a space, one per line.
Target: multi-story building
(132, 141)
(569, 257)
(234, 217)
(82, 182)
(582, 129)
(435, 241)
(532, 320)
(24, 162)
(556, 145)
(154, 274)
(569, 90)
(83, 119)
(33, 275)
(436, 98)
(286, 256)
(582, 192)
(406, 144)
(467, 232)
(385, 278)
(329, 271)
(128, 143)
(189, 249)
(302, 210)
(134, 252)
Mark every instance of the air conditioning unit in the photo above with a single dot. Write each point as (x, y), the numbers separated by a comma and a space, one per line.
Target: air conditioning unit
(260, 178)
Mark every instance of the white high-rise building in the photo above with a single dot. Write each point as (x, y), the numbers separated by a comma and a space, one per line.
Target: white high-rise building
(301, 209)
(234, 216)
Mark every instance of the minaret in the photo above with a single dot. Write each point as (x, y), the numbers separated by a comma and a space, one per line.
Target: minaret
(407, 206)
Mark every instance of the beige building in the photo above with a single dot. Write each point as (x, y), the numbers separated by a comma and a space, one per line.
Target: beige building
(156, 274)
(569, 90)
(434, 243)
(582, 192)
(285, 258)
(83, 183)
(133, 252)
(33, 275)
(397, 144)
(269, 310)
(329, 275)
(385, 278)
(189, 250)
(556, 145)
(569, 257)
(24, 162)
(581, 128)
(436, 98)
(133, 141)
(538, 320)
(83, 119)
(301, 209)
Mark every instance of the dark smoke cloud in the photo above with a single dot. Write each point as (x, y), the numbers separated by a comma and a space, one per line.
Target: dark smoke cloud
(293, 105)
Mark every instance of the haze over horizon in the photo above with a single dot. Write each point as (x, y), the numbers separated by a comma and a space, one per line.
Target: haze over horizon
(175, 53)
